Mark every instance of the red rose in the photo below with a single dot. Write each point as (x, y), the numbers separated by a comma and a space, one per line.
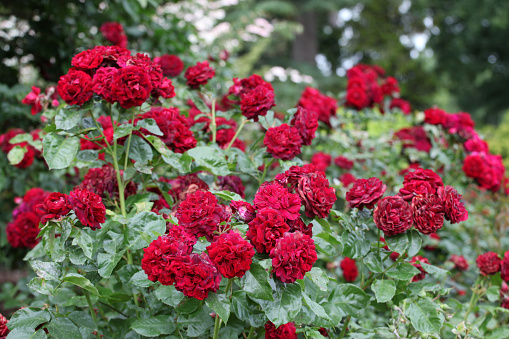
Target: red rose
(390, 86)
(225, 135)
(414, 137)
(455, 210)
(425, 175)
(102, 81)
(243, 211)
(365, 193)
(306, 122)
(321, 161)
(356, 97)
(265, 229)
(114, 33)
(473, 166)
(286, 331)
(75, 87)
(459, 261)
(323, 332)
(103, 182)
(415, 188)
(112, 53)
(275, 196)
(171, 65)
(88, 207)
(183, 185)
(316, 194)
(231, 183)
(314, 101)
(476, 144)
(349, 268)
(165, 89)
(435, 116)
(403, 105)
(201, 214)
(488, 263)
(199, 74)
(245, 85)
(195, 275)
(34, 99)
(504, 267)
(343, 162)
(257, 102)
(421, 275)
(3, 326)
(23, 230)
(293, 256)
(55, 206)
(293, 174)
(88, 59)
(393, 215)
(231, 254)
(299, 225)
(347, 179)
(428, 213)
(283, 142)
(131, 86)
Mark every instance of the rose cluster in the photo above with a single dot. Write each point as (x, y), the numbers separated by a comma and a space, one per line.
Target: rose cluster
(114, 33)
(414, 137)
(318, 103)
(28, 147)
(256, 96)
(490, 263)
(103, 182)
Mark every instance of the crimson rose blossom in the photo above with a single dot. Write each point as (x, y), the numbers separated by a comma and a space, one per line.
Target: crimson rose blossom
(414, 137)
(88, 207)
(415, 188)
(114, 32)
(275, 196)
(321, 161)
(23, 230)
(314, 101)
(231, 254)
(88, 59)
(357, 98)
(199, 74)
(231, 183)
(299, 225)
(3, 326)
(265, 229)
(55, 206)
(75, 87)
(293, 256)
(488, 263)
(428, 213)
(455, 210)
(257, 102)
(349, 268)
(306, 122)
(33, 99)
(403, 105)
(243, 210)
(435, 116)
(343, 162)
(131, 86)
(347, 179)
(283, 142)
(171, 65)
(365, 193)
(103, 182)
(393, 215)
(421, 275)
(459, 262)
(316, 195)
(286, 331)
(201, 214)
(102, 81)
(504, 268)
(424, 175)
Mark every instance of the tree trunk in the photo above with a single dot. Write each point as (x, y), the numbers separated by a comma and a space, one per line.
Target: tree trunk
(305, 45)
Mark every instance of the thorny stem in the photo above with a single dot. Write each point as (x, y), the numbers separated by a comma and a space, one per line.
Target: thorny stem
(476, 295)
(244, 120)
(213, 122)
(92, 312)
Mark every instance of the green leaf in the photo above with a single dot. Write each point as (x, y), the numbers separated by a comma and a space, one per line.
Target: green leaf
(415, 242)
(154, 326)
(141, 228)
(211, 158)
(493, 293)
(373, 262)
(63, 328)
(16, 155)
(436, 271)
(354, 246)
(59, 151)
(169, 295)
(65, 119)
(25, 333)
(84, 240)
(403, 271)
(319, 277)
(384, 290)
(197, 323)
(28, 318)
(286, 305)
(397, 243)
(140, 151)
(107, 262)
(123, 130)
(46, 270)
(87, 155)
(425, 316)
(351, 299)
(227, 195)
(256, 282)
(150, 125)
(316, 308)
(23, 137)
(80, 281)
(220, 303)
(82, 319)
(140, 279)
(42, 286)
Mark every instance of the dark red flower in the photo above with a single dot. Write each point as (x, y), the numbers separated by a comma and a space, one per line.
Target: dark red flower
(390, 86)
(165, 89)
(55, 206)
(293, 256)
(23, 230)
(435, 116)
(225, 135)
(306, 122)
(171, 65)
(114, 33)
(88, 207)
(316, 194)
(349, 268)
(347, 179)
(33, 99)
(488, 263)
(425, 175)
(286, 331)
(75, 87)
(504, 267)
(131, 86)
(103, 182)
(231, 183)
(265, 229)
(356, 97)
(366, 193)
(454, 208)
(231, 254)
(283, 142)
(246, 85)
(403, 105)
(415, 188)
(183, 185)
(321, 161)
(293, 174)
(476, 144)
(459, 261)
(3, 326)
(243, 211)
(199, 74)
(473, 165)
(201, 214)
(299, 225)
(414, 137)
(428, 213)
(275, 196)
(257, 102)
(102, 81)
(393, 215)
(324, 106)
(421, 275)
(88, 59)
(343, 162)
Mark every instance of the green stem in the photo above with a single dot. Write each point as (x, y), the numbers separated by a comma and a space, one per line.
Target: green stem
(217, 325)
(244, 120)
(251, 333)
(345, 326)
(228, 286)
(262, 178)
(379, 255)
(474, 299)
(102, 133)
(213, 122)
(92, 312)
(128, 145)
(119, 180)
